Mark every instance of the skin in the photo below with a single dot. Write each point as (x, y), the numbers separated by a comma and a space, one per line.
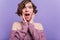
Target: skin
(27, 9)
(28, 19)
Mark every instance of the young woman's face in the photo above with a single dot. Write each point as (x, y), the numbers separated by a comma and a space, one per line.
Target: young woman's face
(27, 11)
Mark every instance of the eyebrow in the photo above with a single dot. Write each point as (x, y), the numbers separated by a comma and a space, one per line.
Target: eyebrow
(28, 5)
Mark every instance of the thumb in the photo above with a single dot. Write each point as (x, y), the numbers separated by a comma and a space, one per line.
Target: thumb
(24, 18)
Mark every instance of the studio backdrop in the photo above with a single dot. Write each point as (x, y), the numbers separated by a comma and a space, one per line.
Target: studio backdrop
(48, 14)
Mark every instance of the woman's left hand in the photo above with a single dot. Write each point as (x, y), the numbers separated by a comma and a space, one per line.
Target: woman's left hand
(31, 21)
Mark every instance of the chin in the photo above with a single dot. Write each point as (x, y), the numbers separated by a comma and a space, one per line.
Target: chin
(28, 20)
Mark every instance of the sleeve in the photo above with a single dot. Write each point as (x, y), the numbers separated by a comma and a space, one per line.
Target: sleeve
(37, 34)
(41, 35)
(13, 36)
(19, 34)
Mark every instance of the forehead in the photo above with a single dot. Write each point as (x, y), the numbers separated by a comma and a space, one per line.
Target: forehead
(28, 4)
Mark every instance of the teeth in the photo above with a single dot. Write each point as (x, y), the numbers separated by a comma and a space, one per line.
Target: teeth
(27, 14)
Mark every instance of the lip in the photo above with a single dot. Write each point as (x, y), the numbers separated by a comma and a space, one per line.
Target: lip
(27, 14)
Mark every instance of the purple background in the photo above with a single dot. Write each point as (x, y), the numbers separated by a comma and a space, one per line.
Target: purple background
(48, 14)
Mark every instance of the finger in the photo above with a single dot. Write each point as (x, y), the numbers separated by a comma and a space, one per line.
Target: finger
(31, 21)
(24, 18)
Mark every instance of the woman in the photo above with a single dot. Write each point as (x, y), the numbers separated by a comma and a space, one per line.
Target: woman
(27, 29)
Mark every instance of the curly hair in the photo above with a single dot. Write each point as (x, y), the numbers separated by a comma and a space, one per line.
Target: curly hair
(22, 5)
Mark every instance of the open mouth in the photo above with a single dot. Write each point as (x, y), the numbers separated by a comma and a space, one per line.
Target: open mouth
(27, 14)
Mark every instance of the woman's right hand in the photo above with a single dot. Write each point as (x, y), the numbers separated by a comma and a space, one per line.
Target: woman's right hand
(24, 20)
(24, 24)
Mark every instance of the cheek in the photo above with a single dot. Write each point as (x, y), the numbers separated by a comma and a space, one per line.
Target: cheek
(23, 10)
(31, 10)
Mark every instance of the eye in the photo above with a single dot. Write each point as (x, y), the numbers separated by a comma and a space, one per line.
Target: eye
(30, 7)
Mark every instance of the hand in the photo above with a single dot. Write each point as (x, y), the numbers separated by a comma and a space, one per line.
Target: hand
(24, 20)
(31, 25)
(24, 24)
(31, 21)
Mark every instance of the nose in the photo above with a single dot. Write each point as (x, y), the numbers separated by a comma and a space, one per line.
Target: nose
(26, 10)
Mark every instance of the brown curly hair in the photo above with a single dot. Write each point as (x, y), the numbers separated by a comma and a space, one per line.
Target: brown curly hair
(22, 5)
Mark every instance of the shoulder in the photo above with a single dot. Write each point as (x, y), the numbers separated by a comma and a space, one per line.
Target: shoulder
(38, 26)
(16, 26)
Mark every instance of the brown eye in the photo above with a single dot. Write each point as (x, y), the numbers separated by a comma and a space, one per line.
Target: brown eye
(30, 7)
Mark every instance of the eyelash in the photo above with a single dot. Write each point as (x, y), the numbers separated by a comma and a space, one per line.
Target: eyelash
(29, 7)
